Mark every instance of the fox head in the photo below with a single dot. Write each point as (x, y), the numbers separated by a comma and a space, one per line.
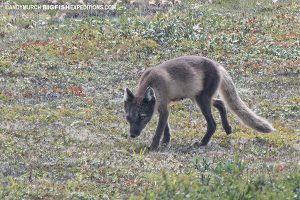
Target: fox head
(139, 110)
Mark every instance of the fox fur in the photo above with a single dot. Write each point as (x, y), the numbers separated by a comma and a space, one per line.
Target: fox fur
(194, 77)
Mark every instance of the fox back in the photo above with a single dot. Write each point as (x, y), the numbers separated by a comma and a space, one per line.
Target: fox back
(178, 78)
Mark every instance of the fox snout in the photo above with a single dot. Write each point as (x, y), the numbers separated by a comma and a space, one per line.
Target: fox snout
(134, 133)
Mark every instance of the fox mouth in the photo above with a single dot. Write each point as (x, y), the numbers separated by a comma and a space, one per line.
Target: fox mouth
(134, 133)
(133, 136)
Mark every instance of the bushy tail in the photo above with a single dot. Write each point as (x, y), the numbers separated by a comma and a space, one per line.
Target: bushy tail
(238, 107)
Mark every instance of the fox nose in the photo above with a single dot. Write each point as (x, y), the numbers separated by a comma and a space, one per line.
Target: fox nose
(134, 132)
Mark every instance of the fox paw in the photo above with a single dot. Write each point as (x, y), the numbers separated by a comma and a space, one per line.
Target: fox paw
(153, 147)
(165, 141)
(198, 144)
(166, 145)
(228, 130)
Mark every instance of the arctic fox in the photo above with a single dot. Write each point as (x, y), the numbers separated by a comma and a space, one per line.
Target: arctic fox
(194, 77)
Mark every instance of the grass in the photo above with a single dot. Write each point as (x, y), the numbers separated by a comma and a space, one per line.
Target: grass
(62, 129)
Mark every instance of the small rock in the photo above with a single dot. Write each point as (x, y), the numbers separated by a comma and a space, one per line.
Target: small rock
(52, 95)
(296, 147)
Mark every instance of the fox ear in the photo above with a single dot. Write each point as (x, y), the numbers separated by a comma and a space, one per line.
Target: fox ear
(149, 94)
(128, 95)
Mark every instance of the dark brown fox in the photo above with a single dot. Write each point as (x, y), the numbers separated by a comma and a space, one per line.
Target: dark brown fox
(194, 77)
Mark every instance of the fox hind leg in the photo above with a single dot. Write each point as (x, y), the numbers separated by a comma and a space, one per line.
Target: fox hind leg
(204, 102)
(219, 104)
(204, 99)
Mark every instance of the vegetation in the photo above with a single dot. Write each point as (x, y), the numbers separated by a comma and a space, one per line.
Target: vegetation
(62, 74)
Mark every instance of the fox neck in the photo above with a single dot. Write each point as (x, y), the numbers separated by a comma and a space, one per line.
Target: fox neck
(142, 86)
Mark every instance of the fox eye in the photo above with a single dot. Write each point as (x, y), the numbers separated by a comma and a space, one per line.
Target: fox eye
(143, 116)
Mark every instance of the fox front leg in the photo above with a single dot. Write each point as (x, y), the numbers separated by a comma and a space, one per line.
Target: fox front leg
(162, 123)
(167, 135)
